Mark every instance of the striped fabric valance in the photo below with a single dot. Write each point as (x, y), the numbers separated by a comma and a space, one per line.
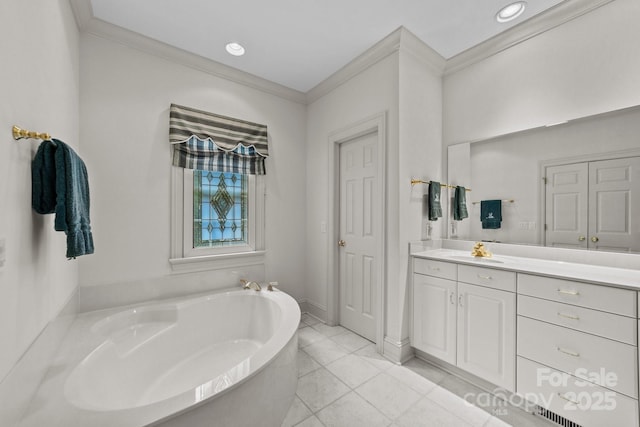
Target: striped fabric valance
(208, 141)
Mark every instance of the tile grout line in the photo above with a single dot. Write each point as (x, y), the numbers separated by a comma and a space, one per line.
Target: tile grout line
(380, 371)
(324, 366)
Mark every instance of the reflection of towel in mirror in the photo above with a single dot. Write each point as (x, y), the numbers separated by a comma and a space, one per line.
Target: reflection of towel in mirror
(434, 206)
(491, 213)
(460, 204)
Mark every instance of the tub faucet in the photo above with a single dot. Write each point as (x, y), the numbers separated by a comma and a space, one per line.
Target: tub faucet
(250, 285)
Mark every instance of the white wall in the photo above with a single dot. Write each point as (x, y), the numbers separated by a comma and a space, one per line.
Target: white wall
(420, 154)
(587, 66)
(371, 92)
(125, 98)
(408, 89)
(39, 83)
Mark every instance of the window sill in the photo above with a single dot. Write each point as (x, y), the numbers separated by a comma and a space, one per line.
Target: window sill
(216, 262)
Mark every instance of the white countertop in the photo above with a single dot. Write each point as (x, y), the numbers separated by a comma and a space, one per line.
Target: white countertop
(618, 277)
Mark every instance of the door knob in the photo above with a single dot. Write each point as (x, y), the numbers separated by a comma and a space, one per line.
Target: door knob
(594, 239)
(342, 243)
(582, 238)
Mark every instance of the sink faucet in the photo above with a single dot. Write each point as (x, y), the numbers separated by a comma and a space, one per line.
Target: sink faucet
(250, 285)
(480, 251)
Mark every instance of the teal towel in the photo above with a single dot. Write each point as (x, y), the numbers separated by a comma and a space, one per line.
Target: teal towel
(460, 211)
(491, 214)
(60, 185)
(433, 200)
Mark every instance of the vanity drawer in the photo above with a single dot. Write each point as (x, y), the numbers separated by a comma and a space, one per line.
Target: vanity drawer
(616, 327)
(605, 298)
(444, 270)
(596, 406)
(573, 351)
(489, 277)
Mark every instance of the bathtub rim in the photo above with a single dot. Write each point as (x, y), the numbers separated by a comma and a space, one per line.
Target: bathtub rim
(52, 389)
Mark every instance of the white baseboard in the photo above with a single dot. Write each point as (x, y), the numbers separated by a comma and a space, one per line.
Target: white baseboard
(316, 310)
(460, 373)
(397, 351)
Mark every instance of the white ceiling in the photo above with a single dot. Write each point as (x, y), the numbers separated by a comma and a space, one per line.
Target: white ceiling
(299, 43)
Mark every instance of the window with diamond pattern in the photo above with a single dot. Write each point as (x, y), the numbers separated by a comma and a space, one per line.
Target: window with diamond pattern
(219, 209)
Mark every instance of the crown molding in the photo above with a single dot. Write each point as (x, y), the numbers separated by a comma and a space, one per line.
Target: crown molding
(411, 44)
(376, 53)
(88, 24)
(548, 20)
(399, 39)
(82, 11)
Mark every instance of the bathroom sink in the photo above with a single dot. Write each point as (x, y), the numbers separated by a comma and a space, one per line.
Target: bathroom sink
(476, 259)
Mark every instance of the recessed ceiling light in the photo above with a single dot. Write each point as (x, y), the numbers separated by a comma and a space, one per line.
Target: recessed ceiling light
(511, 11)
(235, 49)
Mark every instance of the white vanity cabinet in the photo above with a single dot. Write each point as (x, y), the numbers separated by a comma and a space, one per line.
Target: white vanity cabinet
(577, 350)
(465, 316)
(574, 352)
(487, 334)
(435, 308)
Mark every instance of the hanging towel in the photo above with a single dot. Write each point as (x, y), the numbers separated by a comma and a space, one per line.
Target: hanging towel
(491, 213)
(60, 185)
(460, 204)
(433, 200)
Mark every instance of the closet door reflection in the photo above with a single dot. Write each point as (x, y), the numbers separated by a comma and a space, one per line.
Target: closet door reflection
(567, 193)
(592, 204)
(614, 204)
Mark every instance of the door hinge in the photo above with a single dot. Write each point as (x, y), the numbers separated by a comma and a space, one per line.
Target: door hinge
(544, 179)
(545, 227)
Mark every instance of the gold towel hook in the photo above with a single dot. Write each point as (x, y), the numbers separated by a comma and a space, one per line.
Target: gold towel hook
(19, 134)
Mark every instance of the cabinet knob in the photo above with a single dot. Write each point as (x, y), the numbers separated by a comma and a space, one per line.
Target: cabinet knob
(342, 243)
(594, 239)
(582, 239)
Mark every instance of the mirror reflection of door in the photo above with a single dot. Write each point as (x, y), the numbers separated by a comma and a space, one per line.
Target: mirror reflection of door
(591, 205)
(566, 205)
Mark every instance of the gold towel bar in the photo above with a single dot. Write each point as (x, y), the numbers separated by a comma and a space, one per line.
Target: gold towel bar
(503, 201)
(23, 133)
(419, 181)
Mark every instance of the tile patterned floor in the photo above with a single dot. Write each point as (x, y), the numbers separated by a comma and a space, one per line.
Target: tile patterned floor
(343, 382)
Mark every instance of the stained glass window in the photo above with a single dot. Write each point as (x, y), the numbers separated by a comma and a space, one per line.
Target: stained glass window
(219, 209)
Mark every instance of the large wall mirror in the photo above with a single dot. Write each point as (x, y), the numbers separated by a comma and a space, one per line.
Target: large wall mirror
(572, 185)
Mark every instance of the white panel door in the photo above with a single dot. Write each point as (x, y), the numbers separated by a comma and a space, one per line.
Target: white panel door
(358, 237)
(567, 205)
(487, 334)
(614, 204)
(434, 317)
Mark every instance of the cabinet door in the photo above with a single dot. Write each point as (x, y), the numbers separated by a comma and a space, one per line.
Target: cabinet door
(434, 316)
(487, 334)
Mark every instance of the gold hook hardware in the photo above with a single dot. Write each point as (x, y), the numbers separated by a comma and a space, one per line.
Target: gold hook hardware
(23, 134)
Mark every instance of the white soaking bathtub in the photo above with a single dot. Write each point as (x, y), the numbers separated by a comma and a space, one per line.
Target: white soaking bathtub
(224, 359)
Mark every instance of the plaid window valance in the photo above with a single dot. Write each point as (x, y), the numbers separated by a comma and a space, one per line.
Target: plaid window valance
(208, 141)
